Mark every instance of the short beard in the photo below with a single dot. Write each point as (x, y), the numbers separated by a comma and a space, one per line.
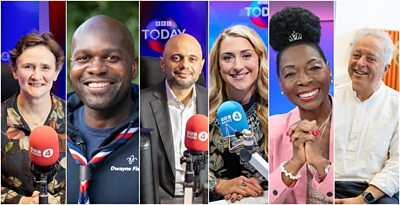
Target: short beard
(182, 85)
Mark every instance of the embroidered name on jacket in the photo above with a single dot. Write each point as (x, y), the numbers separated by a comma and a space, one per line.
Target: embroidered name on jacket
(131, 160)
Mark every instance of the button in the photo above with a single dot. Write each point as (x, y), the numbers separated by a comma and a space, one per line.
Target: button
(275, 192)
(329, 194)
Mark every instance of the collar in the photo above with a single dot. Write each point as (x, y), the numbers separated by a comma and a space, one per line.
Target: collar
(173, 100)
(374, 95)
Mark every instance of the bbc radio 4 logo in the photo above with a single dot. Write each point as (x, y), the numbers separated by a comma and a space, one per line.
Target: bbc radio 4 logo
(258, 13)
(202, 136)
(158, 31)
(236, 116)
(5, 57)
(47, 153)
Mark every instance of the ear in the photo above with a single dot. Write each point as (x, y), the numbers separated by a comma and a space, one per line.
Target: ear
(330, 72)
(134, 67)
(13, 68)
(57, 73)
(386, 69)
(162, 63)
(280, 85)
(202, 63)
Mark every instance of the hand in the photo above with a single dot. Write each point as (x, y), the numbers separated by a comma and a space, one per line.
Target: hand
(34, 199)
(355, 200)
(240, 185)
(54, 200)
(299, 133)
(312, 152)
(233, 197)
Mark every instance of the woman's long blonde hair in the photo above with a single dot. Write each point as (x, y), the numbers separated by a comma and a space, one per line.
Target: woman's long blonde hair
(217, 86)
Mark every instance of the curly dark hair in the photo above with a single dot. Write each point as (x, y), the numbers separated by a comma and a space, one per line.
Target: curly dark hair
(294, 20)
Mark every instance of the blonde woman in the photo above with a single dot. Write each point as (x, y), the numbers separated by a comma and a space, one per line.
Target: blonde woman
(238, 71)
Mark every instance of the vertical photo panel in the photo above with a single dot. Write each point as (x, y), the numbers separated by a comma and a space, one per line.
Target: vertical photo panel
(367, 102)
(173, 101)
(103, 103)
(301, 143)
(33, 102)
(238, 102)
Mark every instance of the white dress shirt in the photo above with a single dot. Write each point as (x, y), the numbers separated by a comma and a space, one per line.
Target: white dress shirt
(367, 137)
(179, 114)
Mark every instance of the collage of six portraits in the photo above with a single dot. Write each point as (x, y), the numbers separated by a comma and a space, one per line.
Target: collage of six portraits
(209, 102)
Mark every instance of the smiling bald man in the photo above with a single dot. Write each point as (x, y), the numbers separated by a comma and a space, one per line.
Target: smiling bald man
(167, 106)
(103, 111)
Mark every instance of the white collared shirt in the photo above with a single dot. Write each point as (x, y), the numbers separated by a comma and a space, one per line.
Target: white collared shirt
(179, 114)
(367, 137)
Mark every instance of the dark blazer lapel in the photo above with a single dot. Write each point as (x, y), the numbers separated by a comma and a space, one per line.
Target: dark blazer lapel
(202, 108)
(201, 100)
(159, 108)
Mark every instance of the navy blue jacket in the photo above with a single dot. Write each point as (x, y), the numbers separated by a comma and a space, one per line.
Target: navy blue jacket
(116, 178)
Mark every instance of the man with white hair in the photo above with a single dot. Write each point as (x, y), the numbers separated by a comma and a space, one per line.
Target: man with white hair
(366, 125)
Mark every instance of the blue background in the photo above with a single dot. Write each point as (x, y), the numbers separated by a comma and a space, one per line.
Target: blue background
(20, 18)
(191, 16)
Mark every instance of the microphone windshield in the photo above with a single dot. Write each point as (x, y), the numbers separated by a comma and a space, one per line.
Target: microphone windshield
(231, 118)
(43, 146)
(196, 134)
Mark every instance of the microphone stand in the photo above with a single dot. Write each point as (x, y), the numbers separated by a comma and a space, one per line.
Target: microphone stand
(43, 196)
(42, 175)
(249, 153)
(188, 184)
(195, 162)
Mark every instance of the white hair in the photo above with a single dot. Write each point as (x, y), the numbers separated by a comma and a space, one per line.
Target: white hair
(388, 46)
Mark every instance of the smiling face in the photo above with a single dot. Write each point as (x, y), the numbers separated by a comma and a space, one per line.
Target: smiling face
(239, 64)
(304, 76)
(35, 71)
(102, 64)
(182, 61)
(366, 64)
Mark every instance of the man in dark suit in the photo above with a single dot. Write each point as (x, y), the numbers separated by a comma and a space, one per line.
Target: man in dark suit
(167, 106)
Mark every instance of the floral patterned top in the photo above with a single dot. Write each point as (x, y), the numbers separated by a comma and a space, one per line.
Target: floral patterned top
(16, 177)
(226, 165)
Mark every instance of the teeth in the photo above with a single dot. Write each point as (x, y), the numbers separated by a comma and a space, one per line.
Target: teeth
(239, 76)
(306, 95)
(359, 72)
(98, 85)
(36, 84)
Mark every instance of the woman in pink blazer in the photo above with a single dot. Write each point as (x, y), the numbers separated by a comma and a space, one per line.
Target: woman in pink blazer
(301, 141)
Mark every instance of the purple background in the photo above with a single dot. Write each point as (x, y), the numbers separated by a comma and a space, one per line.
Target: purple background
(324, 10)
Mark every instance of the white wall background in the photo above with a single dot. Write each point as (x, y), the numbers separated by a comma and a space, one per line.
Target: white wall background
(351, 15)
